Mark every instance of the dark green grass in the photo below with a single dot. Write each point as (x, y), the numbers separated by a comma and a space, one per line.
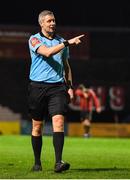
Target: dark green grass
(94, 158)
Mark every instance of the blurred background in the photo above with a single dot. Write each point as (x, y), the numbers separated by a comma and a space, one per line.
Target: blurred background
(101, 62)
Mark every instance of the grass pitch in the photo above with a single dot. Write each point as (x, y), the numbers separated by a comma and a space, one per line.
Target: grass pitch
(94, 158)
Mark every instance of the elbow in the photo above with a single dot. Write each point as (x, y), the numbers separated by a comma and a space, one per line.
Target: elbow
(48, 54)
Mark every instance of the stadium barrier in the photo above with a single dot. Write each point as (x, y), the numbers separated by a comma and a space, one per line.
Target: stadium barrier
(101, 130)
(10, 127)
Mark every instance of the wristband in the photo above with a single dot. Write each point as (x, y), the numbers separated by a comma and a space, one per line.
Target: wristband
(66, 43)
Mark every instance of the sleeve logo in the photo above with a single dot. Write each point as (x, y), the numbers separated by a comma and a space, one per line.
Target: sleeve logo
(35, 41)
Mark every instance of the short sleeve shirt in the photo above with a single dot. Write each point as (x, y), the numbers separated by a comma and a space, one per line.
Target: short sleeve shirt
(46, 69)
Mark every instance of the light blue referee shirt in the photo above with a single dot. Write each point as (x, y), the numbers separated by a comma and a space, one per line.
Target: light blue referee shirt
(45, 69)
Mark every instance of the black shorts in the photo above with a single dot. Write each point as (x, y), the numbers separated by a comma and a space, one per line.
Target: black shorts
(47, 99)
(85, 115)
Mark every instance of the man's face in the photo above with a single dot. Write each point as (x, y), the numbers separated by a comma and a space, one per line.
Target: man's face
(48, 24)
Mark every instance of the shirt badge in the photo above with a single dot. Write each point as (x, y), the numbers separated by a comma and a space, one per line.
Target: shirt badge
(35, 41)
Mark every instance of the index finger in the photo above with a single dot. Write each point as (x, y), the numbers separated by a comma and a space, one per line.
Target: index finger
(80, 36)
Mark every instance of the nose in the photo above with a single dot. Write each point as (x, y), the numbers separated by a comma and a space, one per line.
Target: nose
(53, 22)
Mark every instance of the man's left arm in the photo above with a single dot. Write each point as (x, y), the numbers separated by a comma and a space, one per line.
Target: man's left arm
(68, 78)
(96, 101)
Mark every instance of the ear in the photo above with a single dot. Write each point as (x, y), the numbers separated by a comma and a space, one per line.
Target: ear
(41, 23)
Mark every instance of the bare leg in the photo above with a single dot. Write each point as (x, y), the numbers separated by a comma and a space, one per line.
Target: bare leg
(86, 125)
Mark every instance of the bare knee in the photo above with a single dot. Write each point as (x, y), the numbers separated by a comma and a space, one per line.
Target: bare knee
(58, 123)
(86, 122)
(37, 128)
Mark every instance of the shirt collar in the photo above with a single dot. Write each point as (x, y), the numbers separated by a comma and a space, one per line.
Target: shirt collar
(47, 37)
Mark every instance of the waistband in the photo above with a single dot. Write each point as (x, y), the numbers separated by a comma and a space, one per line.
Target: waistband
(46, 83)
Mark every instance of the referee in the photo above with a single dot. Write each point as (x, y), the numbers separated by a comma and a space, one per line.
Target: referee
(50, 86)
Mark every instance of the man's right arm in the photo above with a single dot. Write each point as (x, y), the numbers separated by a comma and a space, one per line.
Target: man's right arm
(49, 51)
